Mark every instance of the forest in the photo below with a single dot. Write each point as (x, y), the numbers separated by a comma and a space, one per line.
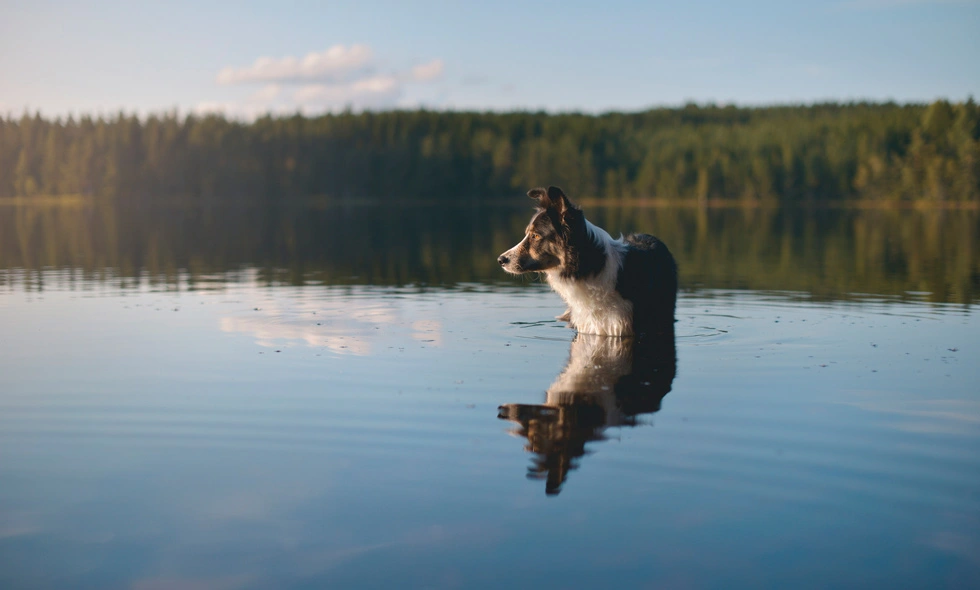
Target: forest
(808, 154)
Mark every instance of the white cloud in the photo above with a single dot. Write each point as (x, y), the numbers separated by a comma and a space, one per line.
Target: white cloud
(337, 78)
(429, 71)
(374, 92)
(334, 64)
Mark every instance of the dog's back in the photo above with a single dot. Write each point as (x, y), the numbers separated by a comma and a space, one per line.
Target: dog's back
(648, 279)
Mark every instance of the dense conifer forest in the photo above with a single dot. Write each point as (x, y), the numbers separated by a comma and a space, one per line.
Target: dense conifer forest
(783, 154)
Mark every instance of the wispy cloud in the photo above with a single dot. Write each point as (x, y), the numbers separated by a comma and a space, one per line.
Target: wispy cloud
(374, 92)
(429, 71)
(334, 64)
(336, 78)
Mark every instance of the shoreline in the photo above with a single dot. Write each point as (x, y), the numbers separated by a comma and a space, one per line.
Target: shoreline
(638, 203)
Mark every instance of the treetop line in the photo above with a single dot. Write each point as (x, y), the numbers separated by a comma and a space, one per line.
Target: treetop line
(823, 152)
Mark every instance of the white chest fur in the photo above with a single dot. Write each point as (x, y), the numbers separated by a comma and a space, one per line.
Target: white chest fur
(596, 307)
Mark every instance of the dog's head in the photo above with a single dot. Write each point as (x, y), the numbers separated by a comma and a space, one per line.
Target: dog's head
(546, 239)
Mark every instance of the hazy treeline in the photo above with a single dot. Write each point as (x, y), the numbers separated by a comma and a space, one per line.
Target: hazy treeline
(782, 154)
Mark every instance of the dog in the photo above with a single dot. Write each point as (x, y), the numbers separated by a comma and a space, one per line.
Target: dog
(624, 287)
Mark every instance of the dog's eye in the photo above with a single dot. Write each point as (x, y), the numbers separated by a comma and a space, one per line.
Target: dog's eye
(533, 236)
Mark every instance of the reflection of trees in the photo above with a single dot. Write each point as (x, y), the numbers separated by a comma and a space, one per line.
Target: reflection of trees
(829, 253)
(607, 382)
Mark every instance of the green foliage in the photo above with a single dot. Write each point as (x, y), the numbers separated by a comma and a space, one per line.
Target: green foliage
(781, 154)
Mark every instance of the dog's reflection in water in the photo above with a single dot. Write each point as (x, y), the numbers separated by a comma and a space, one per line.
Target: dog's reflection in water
(608, 382)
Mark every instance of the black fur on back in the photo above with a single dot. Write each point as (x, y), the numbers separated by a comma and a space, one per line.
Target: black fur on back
(648, 280)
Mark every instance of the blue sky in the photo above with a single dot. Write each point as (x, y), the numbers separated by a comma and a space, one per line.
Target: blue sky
(99, 57)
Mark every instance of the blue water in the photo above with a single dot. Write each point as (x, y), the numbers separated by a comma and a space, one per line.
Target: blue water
(229, 432)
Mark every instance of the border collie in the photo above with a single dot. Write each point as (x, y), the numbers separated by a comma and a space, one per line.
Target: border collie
(624, 287)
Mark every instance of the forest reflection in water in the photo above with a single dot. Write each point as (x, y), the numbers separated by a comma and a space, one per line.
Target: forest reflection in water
(827, 253)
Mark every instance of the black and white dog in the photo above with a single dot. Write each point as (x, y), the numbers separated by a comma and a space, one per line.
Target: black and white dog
(624, 287)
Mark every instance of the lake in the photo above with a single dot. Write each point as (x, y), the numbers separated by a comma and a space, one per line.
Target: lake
(357, 396)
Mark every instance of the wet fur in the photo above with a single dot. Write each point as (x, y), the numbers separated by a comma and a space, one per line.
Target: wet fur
(621, 287)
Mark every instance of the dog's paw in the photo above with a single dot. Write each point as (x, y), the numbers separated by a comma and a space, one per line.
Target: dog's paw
(565, 317)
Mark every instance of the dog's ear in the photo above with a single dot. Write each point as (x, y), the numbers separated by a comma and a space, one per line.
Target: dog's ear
(559, 200)
(553, 198)
(540, 195)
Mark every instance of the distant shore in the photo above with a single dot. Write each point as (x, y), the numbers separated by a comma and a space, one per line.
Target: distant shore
(829, 154)
(515, 201)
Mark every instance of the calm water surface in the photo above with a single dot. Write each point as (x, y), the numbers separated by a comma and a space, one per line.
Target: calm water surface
(306, 401)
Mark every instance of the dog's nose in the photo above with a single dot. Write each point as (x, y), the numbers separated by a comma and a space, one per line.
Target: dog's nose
(502, 259)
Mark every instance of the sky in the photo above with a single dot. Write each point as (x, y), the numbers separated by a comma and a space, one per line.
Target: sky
(248, 58)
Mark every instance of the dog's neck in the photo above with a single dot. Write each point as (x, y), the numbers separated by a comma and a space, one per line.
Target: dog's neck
(586, 251)
(588, 284)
